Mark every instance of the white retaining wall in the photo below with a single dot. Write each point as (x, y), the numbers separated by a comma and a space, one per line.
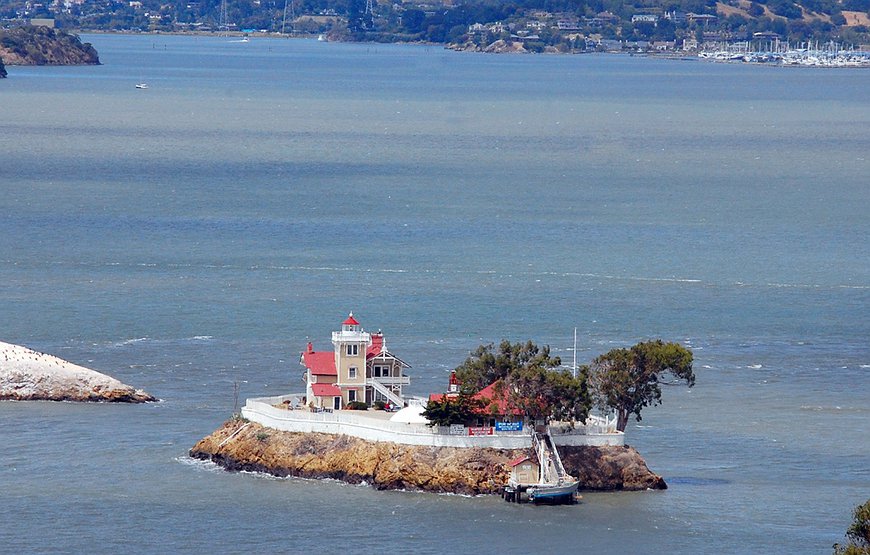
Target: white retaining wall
(356, 424)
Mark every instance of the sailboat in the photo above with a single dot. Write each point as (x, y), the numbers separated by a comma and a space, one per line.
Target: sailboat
(554, 484)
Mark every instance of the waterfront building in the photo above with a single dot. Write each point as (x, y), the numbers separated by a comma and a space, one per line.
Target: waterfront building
(359, 368)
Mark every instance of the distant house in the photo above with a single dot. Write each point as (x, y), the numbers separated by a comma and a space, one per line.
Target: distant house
(568, 24)
(358, 368)
(645, 18)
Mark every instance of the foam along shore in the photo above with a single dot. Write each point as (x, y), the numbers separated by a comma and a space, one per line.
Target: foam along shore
(27, 375)
(242, 445)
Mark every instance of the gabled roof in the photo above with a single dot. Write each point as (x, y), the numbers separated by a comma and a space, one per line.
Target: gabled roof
(520, 460)
(376, 349)
(321, 363)
(490, 396)
(325, 390)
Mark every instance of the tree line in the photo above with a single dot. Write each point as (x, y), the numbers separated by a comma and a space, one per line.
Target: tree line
(528, 380)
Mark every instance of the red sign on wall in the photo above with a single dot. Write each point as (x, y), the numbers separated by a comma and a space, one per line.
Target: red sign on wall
(480, 431)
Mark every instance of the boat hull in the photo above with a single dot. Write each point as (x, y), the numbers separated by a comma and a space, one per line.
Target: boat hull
(553, 494)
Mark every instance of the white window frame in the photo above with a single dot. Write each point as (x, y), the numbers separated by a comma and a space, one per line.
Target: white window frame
(352, 350)
(351, 395)
(351, 373)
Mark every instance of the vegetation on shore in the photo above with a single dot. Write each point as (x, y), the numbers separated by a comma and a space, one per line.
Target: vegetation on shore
(858, 534)
(536, 25)
(533, 383)
(40, 45)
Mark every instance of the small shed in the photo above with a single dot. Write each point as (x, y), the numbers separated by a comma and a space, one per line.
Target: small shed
(525, 470)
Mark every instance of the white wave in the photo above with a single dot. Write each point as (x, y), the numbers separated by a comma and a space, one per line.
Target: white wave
(199, 464)
(130, 341)
(754, 366)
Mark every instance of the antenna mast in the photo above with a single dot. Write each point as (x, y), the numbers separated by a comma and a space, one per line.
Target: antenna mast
(222, 21)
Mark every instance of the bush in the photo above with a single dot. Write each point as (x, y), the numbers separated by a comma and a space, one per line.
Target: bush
(356, 405)
(379, 405)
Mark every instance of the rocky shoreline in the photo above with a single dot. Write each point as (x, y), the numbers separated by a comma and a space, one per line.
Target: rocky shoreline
(28, 375)
(29, 45)
(240, 445)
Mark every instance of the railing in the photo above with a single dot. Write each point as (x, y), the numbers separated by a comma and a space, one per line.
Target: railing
(358, 424)
(394, 398)
(390, 380)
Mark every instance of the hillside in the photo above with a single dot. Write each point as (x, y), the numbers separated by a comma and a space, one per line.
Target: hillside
(44, 46)
(540, 25)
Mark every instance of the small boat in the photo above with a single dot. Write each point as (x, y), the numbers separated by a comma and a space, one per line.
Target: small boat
(552, 485)
(142, 85)
(558, 493)
(321, 38)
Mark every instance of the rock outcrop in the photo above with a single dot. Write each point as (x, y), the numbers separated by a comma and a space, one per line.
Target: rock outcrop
(26, 375)
(44, 46)
(242, 445)
(2, 69)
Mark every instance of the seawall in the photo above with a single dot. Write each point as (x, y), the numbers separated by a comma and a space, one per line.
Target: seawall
(240, 444)
(371, 425)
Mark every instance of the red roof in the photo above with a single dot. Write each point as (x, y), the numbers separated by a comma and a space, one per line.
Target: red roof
(490, 396)
(520, 460)
(325, 390)
(351, 321)
(320, 364)
(438, 397)
(376, 347)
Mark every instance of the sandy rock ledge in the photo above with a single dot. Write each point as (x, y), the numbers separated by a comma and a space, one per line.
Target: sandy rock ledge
(242, 445)
(27, 375)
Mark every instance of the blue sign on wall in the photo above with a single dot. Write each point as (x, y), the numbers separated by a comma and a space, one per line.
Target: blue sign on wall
(508, 426)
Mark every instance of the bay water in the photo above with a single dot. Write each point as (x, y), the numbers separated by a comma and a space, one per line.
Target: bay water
(197, 234)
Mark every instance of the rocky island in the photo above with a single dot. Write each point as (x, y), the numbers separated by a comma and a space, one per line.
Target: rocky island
(496, 429)
(243, 445)
(27, 375)
(40, 45)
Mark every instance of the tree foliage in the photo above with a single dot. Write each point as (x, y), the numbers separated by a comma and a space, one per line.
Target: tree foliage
(487, 365)
(858, 534)
(528, 379)
(452, 410)
(627, 380)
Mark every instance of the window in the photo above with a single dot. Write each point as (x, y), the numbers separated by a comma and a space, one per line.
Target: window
(351, 395)
(351, 372)
(377, 371)
(352, 350)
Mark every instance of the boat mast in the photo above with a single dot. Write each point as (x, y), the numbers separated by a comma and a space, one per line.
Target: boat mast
(574, 364)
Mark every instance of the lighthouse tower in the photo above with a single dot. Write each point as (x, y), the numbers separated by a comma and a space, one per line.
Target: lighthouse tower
(350, 346)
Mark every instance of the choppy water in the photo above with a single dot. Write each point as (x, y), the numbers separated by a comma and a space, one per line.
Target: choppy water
(199, 232)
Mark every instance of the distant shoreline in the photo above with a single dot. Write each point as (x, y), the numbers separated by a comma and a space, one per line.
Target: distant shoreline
(685, 56)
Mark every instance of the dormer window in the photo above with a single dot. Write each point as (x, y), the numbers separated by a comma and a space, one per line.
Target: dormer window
(352, 350)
